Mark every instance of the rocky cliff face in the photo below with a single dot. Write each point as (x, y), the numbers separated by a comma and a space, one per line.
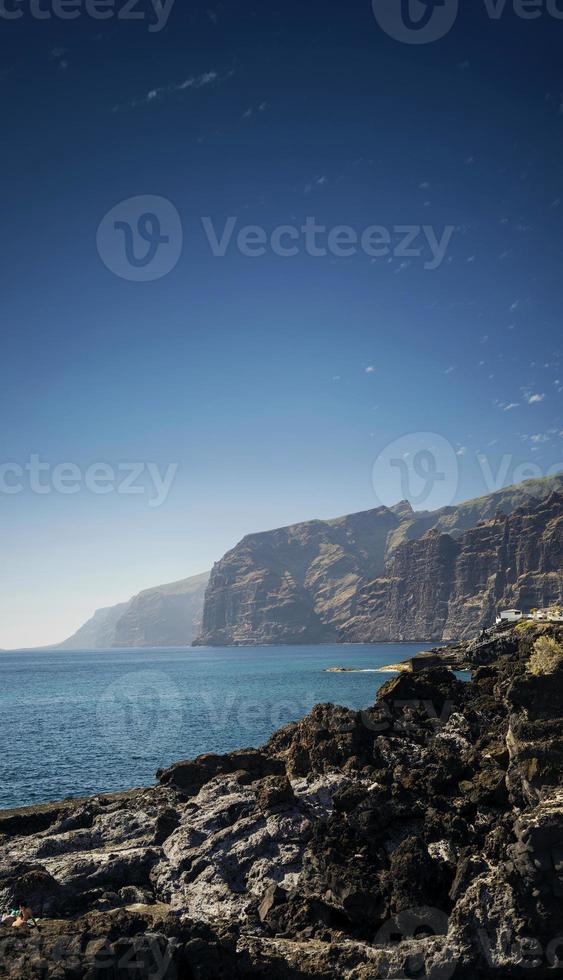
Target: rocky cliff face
(444, 588)
(421, 837)
(296, 584)
(166, 616)
(387, 574)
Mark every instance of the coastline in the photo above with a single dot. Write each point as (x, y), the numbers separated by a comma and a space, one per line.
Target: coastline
(295, 860)
(196, 701)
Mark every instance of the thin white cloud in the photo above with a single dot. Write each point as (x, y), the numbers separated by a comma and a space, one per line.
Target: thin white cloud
(535, 398)
(370, 369)
(156, 95)
(318, 182)
(250, 111)
(510, 406)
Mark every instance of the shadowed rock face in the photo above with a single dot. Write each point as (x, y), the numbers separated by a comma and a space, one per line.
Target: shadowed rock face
(297, 584)
(441, 588)
(390, 574)
(421, 837)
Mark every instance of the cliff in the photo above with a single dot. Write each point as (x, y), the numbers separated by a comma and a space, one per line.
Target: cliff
(388, 574)
(166, 616)
(444, 588)
(420, 837)
(296, 584)
(98, 633)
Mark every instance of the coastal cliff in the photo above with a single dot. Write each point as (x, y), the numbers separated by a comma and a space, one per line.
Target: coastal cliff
(442, 588)
(165, 616)
(420, 837)
(390, 573)
(385, 574)
(296, 584)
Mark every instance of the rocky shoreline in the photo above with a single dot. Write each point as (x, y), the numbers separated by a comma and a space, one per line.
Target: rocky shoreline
(422, 837)
(463, 656)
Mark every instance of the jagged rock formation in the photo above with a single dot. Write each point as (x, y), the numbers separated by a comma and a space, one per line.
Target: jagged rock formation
(166, 616)
(442, 588)
(423, 837)
(297, 584)
(389, 574)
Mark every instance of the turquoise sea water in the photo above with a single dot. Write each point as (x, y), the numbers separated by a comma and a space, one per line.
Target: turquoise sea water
(76, 724)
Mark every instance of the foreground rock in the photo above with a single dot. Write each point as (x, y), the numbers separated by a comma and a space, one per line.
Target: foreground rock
(469, 655)
(423, 837)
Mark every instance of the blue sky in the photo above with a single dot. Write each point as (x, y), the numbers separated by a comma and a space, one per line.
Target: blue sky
(271, 384)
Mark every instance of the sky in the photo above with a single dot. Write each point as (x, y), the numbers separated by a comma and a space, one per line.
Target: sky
(263, 263)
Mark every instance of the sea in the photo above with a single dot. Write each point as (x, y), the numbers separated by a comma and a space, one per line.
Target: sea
(79, 724)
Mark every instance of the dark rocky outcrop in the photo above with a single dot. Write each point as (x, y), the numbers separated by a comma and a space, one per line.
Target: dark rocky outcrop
(390, 573)
(249, 764)
(421, 837)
